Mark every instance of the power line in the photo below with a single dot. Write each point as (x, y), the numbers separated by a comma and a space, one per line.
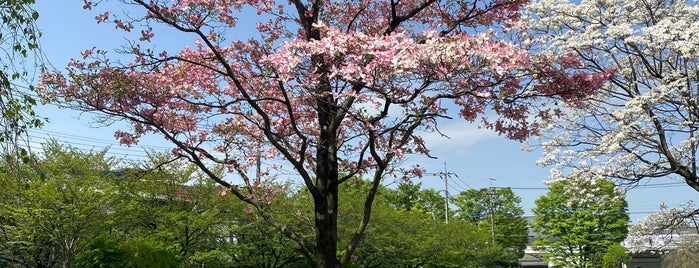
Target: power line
(445, 175)
(644, 186)
(456, 186)
(659, 185)
(464, 186)
(37, 139)
(522, 188)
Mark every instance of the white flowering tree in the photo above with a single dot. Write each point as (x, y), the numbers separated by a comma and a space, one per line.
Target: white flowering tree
(672, 231)
(644, 124)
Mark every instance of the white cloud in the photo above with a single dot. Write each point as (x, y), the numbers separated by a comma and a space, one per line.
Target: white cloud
(459, 134)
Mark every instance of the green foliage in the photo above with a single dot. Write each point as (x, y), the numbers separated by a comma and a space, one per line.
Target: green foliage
(577, 221)
(615, 256)
(411, 197)
(510, 226)
(163, 213)
(150, 251)
(401, 237)
(68, 209)
(260, 245)
(213, 258)
(172, 210)
(19, 40)
(54, 206)
(18, 26)
(104, 251)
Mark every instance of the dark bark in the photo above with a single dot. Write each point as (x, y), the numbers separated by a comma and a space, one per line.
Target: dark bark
(326, 225)
(326, 184)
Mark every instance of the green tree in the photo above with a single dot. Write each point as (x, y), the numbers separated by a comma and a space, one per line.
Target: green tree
(402, 237)
(19, 49)
(405, 197)
(615, 256)
(409, 239)
(167, 215)
(575, 227)
(61, 201)
(258, 244)
(411, 197)
(507, 225)
(75, 209)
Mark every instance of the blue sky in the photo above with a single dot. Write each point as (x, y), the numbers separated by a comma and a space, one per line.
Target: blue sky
(474, 155)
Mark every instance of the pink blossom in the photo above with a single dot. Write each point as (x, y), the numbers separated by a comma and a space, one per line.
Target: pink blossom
(344, 84)
(102, 17)
(88, 5)
(146, 35)
(87, 53)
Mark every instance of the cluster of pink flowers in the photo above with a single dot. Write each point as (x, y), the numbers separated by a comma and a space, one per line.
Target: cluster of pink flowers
(384, 77)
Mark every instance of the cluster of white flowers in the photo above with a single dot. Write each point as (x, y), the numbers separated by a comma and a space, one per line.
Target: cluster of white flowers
(671, 228)
(644, 122)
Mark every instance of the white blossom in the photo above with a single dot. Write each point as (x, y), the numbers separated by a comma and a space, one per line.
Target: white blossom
(644, 123)
(671, 228)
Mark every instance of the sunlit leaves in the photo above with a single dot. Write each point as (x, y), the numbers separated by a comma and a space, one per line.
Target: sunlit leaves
(19, 44)
(576, 224)
(325, 86)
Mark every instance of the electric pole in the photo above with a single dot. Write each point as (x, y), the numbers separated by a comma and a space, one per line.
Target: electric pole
(446, 194)
(492, 209)
(445, 175)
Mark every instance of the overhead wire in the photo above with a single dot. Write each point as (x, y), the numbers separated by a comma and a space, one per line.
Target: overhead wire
(141, 151)
(455, 187)
(643, 186)
(635, 210)
(459, 180)
(38, 138)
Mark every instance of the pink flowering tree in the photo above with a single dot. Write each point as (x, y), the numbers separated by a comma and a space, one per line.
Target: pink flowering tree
(335, 89)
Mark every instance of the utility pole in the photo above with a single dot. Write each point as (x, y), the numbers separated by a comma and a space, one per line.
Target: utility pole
(492, 209)
(445, 175)
(446, 194)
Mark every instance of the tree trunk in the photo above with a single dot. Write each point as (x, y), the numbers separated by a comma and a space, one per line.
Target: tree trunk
(326, 224)
(326, 184)
(325, 201)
